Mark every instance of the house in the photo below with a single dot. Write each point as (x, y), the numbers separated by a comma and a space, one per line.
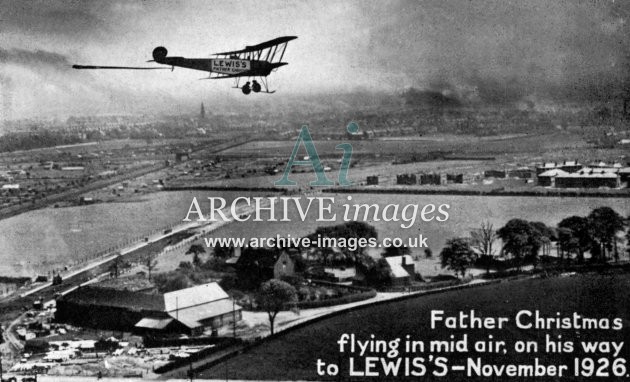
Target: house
(11, 187)
(161, 326)
(406, 179)
(372, 180)
(432, 178)
(341, 274)
(494, 174)
(284, 266)
(455, 178)
(403, 270)
(589, 178)
(86, 200)
(236, 254)
(548, 178)
(202, 306)
(602, 164)
(570, 166)
(8, 285)
(520, 173)
(181, 156)
(546, 167)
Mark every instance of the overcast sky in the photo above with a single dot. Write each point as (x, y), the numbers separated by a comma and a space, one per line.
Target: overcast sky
(494, 51)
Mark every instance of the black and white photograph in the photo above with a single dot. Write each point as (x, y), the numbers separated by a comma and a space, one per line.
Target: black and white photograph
(300, 190)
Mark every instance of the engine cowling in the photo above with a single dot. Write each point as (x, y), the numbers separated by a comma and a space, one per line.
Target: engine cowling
(159, 53)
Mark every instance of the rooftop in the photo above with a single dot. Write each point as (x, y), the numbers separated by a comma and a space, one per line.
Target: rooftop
(90, 295)
(395, 264)
(194, 296)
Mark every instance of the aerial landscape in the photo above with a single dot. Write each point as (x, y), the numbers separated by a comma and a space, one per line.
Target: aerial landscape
(297, 190)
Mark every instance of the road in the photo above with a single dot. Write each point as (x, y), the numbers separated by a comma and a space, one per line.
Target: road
(9, 337)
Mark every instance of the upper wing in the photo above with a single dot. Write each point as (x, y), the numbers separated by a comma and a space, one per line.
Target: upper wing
(114, 67)
(261, 46)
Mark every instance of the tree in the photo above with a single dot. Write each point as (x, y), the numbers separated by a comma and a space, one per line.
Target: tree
(117, 264)
(518, 238)
(346, 231)
(325, 254)
(57, 280)
(482, 240)
(150, 262)
(377, 273)
(254, 266)
(196, 262)
(605, 223)
(541, 237)
(574, 236)
(171, 282)
(393, 251)
(274, 295)
(223, 252)
(195, 249)
(114, 268)
(458, 255)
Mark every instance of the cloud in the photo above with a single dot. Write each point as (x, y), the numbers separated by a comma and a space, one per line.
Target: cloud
(502, 51)
(35, 59)
(72, 20)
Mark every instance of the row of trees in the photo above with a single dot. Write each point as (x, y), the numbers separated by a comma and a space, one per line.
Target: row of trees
(524, 241)
(595, 233)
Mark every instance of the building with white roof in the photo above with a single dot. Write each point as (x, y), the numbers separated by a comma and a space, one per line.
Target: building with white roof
(190, 310)
(402, 269)
(589, 178)
(547, 178)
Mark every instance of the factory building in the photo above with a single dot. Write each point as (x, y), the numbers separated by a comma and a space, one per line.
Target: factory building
(588, 178)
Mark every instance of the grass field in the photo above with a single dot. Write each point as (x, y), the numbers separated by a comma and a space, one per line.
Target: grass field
(460, 144)
(293, 356)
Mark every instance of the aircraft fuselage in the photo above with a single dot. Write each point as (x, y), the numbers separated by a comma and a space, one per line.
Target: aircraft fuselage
(228, 66)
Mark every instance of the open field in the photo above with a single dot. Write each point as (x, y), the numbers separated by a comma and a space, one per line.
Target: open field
(38, 242)
(293, 356)
(461, 144)
(451, 154)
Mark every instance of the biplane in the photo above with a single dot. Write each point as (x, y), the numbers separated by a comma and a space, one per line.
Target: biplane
(251, 63)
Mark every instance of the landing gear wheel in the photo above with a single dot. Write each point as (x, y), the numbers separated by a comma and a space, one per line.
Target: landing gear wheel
(246, 89)
(256, 87)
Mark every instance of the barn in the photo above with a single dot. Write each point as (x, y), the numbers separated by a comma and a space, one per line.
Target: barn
(189, 311)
